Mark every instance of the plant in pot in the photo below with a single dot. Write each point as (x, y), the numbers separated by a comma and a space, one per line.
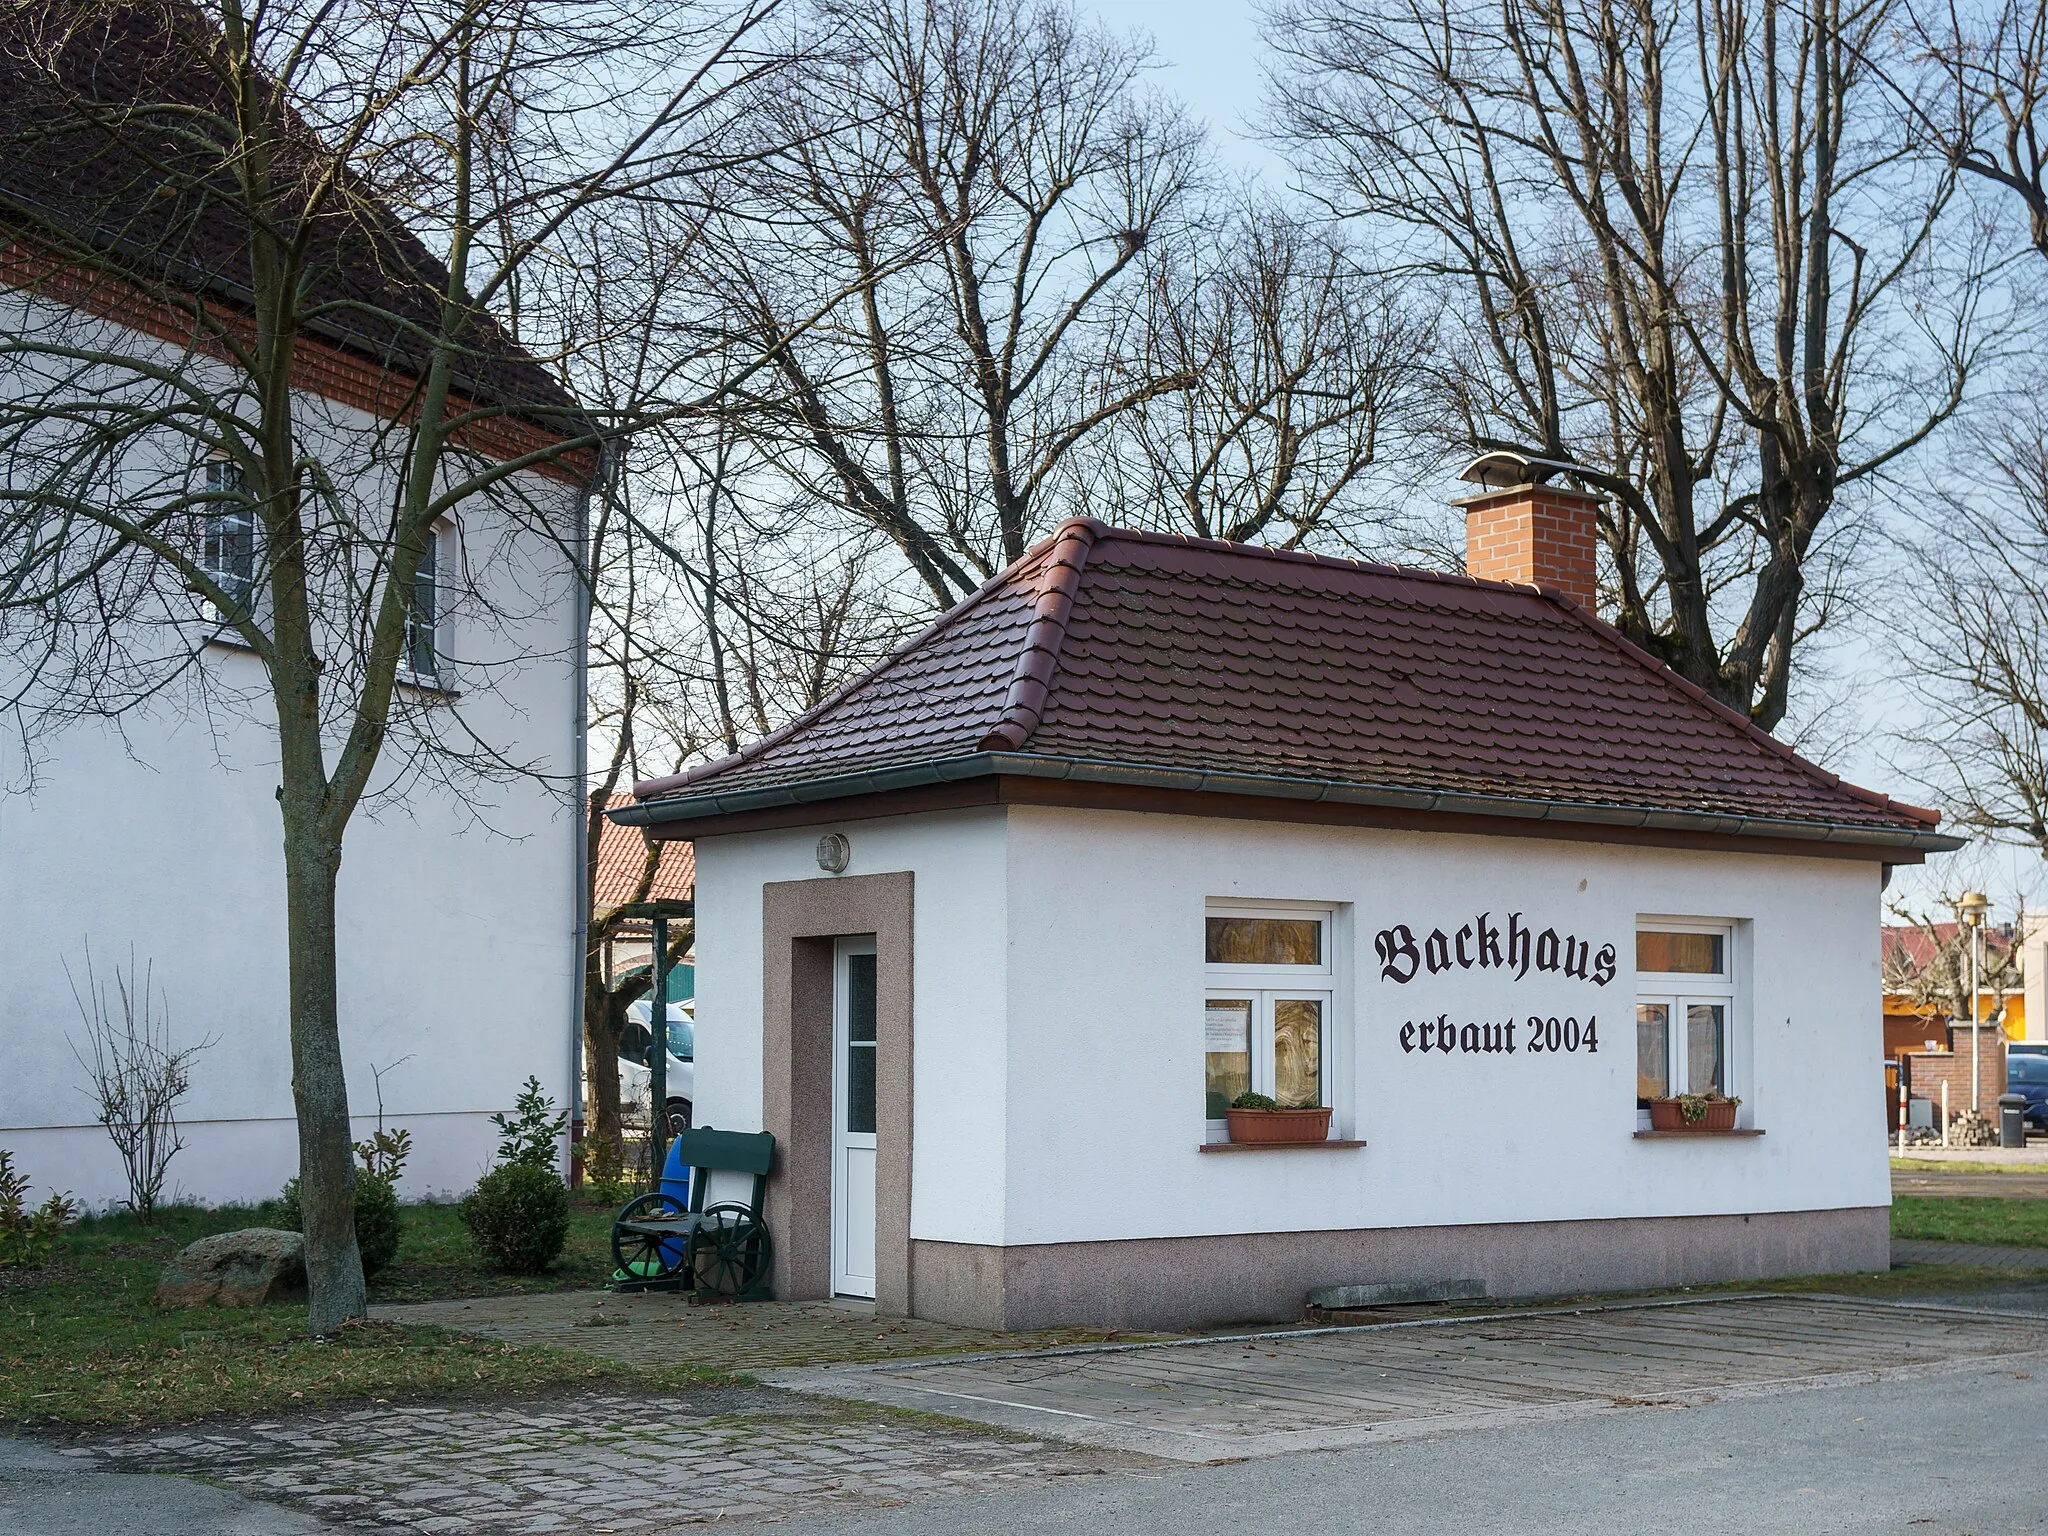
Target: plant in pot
(1254, 1117)
(1709, 1111)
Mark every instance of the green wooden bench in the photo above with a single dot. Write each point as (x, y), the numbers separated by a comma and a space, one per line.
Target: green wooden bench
(722, 1251)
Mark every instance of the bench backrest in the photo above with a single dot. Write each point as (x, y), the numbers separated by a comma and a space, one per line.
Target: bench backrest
(727, 1151)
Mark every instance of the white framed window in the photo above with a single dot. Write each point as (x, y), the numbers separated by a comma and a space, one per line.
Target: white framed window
(1685, 1008)
(424, 613)
(1269, 1019)
(227, 535)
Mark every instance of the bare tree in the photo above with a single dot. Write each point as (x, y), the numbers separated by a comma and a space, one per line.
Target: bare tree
(168, 480)
(137, 1074)
(1977, 647)
(1983, 99)
(1934, 973)
(1300, 363)
(978, 179)
(1683, 251)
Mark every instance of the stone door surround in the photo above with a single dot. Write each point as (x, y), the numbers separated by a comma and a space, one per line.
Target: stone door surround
(799, 921)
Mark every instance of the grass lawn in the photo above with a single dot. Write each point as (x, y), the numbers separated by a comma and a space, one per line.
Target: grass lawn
(1972, 1219)
(436, 1261)
(81, 1343)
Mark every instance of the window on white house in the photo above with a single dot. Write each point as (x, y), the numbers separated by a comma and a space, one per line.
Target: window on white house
(423, 614)
(1685, 1010)
(227, 540)
(1270, 989)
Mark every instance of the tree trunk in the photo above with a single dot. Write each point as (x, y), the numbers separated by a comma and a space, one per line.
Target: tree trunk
(603, 1025)
(327, 1177)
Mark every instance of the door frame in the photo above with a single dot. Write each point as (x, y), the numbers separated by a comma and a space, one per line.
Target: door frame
(800, 919)
(843, 952)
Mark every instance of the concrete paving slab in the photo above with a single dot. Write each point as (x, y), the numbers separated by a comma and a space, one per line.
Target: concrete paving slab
(1952, 1455)
(1269, 1394)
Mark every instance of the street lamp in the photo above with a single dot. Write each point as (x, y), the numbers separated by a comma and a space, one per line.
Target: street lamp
(1970, 910)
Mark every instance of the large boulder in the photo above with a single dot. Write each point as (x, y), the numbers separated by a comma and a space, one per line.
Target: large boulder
(236, 1269)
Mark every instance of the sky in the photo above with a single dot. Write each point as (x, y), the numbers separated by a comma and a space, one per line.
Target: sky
(1212, 58)
(1212, 55)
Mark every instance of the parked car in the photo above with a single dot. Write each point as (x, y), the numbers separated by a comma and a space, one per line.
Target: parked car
(635, 1076)
(2026, 1072)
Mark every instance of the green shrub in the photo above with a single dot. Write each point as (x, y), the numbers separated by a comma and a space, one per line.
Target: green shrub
(377, 1223)
(1250, 1100)
(530, 1134)
(27, 1235)
(519, 1216)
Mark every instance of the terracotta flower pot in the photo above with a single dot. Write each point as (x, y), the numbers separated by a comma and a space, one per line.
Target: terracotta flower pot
(1667, 1115)
(1279, 1125)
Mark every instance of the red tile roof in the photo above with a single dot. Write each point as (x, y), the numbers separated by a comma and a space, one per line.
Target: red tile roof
(1916, 946)
(142, 195)
(1196, 664)
(622, 862)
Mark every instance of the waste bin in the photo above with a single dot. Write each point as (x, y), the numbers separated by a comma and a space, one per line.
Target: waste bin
(2012, 1126)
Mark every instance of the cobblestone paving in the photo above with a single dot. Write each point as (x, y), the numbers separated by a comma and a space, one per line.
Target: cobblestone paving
(668, 1329)
(602, 1464)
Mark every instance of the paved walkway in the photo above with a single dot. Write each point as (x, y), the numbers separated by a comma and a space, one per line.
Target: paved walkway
(656, 1327)
(1265, 1395)
(1922, 1250)
(599, 1464)
(1051, 1421)
(2033, 1155)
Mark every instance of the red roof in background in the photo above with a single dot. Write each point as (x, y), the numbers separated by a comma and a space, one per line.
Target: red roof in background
(622, 859)
(1918, 943)
(1108, 647)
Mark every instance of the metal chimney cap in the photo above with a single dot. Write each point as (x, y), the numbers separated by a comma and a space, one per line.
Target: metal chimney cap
(1501, 468)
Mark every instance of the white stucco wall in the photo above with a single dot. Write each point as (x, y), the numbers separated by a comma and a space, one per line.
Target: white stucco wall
(958, 1003)
(161, 835)
(1058, 1019)
(1109, 911)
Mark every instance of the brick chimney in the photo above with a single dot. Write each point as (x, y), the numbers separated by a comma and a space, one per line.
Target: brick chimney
(1520, 528)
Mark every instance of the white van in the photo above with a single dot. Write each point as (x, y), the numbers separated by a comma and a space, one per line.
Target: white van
(635, 1079)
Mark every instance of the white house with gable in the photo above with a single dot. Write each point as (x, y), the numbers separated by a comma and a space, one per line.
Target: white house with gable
(153, 833)
(1500, 909)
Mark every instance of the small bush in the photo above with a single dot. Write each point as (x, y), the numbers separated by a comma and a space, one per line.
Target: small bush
(519, 1216)
(26, 1235)
(1250, 1100)
(530, 1134)
(377, 1222)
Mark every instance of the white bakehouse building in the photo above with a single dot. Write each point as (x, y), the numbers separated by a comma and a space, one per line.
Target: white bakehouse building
(991, 940)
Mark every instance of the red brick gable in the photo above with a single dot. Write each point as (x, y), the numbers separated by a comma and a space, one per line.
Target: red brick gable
(129, 224)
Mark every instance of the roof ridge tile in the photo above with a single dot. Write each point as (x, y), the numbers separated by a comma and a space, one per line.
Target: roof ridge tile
(1031, 680)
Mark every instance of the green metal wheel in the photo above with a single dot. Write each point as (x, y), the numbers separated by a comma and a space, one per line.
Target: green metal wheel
(729, 1253)
(641, 1255)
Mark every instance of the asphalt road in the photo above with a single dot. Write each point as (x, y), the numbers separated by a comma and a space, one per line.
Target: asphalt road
(1954, 1455)
(43, 1493)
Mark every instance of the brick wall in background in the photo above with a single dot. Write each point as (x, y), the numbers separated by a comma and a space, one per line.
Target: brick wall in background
(1928, 1072)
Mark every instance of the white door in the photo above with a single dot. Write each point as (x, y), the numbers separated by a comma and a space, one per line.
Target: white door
(853, 1118)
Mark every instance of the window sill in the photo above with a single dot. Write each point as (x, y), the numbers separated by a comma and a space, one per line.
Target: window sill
(426, 687)
(226, 642)
(1740, 1130)
(1278, 1146)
